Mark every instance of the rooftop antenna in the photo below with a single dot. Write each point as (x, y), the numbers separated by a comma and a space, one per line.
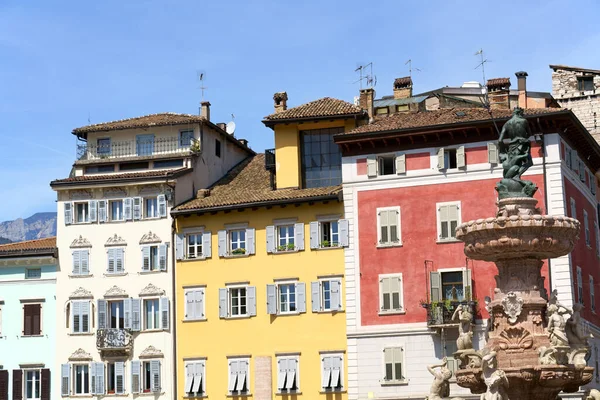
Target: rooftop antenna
(485, 100)
(410, 68)
(482, 64)
(370, 79)
(201, 76)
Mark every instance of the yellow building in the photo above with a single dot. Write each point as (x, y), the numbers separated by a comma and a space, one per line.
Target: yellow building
(260, 264)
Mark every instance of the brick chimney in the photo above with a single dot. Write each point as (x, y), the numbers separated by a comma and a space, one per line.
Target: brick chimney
(205, 110)
(498, 93)
(365, 101)
(522, 87)
(280, 99)
(403, 88)
(202, 193)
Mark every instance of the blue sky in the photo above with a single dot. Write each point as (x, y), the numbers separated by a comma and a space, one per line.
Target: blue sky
(63, 62)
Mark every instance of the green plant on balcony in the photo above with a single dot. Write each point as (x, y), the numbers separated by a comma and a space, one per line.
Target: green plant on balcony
(286, 247)
(238, 252)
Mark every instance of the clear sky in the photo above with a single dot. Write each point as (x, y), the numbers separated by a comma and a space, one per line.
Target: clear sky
(64, 62)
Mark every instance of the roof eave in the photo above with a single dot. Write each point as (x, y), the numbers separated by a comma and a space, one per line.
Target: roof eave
(54, 183)
(271, 122)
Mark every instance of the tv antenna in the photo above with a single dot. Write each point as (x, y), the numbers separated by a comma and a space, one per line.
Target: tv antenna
(410, 68)
(369, 78)
(482, 64)
(485, 99)
(201, 76)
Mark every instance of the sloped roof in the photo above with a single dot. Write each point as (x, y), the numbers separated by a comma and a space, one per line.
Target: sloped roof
(402, 82)
(498, 82)
(161, 119)
(568, 68)
(94, 178)
(248, 184)
(325, 107)
(37, 246)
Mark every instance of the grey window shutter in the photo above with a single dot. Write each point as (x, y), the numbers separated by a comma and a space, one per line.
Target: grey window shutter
(137, 208)
(136, 368)
(189, 378)
(85, 262)
(271, 299)
(198, 378)
(282, 367)
(336, 300)
(198, 303)
(155, 371)
(292, 365)
(120, 260)
(101, 210)
(250, 242)
(233, 374)
(93, 210)
(441, 164)
(492, 149)
(164, 312)
(326, 372)
(343, 224)
(128, 208)
(251, 300)
(145, 258)
(76, 316)
(162, 257)
(222, 235)
(68, 213)
(460, 157)
(336, 369)
(179, 246)
(435, 282)
(136, 315)
(315, 296)
(86, 311)
(190, 303)
(94, 378)
(314, 235)
(119, 377)
(223, 309)
(65, 379)
(242, 375)
(110, 268)
(467, 284)
(127, 319)
(162, 205)
(102, 314)
(299, 235)
(371, 166)
(77, 262)
(400, 163)
(207, 244)
(301, 296)
(100, 389)
(270, 230)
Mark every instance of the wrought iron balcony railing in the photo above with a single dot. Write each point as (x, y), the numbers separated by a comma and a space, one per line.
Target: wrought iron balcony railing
(141, 147)
(440, 313)
(114, 340)
(270, 159)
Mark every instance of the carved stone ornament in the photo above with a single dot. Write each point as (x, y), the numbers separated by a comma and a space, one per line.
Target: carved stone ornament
(150, 190)
(152, 290)
(513, 305)
(80, 355)
(150, 238)
(151, 352)
(80, 194)
(116, 240)
(115, 192)
(515, 340)
(81, 293)
(80, 242)
(115, 291)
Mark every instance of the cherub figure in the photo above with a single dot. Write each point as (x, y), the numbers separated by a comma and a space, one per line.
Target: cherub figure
(557, 325)
(440, 387)
(495, 379)
(465, 334)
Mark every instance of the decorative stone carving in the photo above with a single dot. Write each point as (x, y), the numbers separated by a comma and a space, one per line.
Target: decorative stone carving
(151, 352)
(592, 394)
(80, 355)
(81, 293)
(574, 328)
(152, 290)
(469, 358)
(116, 240)
(115, 192)
(115, 291)
(150, 238)
(513, 305)
(440, 387)
(80, 194)
(557, 325)
(495, 379)
(465, 334)
(515, 339)
(149, 190)
(80, 242)
(548, 355)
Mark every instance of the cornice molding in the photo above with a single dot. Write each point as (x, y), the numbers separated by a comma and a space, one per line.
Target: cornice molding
(152, 290)
(81, 293)
(150, 238)
(80, 355)
(115, 291)
(115, 240)
(151, 352)
(80, 242)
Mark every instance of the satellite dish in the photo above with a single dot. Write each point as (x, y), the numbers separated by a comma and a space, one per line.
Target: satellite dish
(230, 127)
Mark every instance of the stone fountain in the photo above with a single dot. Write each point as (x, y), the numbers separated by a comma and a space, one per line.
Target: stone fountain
(533, 351)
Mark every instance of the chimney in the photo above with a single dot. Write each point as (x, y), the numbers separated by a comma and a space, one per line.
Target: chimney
(365, 101)
(498, 93)
(403, 88)
(280, 99)
(244, 142)
(522, 87)
(202, 193)
(205, 110)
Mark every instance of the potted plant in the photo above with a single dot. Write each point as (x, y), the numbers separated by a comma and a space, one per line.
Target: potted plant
(325, 243)
(238, 252)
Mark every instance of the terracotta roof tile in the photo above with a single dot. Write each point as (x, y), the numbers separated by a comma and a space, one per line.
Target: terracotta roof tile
(123, 176)
(402, 82)
(161, 119)
(38, 245)
(249, 183)
(325, 107)
(498, 82)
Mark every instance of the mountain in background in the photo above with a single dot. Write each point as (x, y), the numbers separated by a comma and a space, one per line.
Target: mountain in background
(38, 226)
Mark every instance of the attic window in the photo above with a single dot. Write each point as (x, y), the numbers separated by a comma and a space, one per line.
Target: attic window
(585, 83)
(461, 114)
(381, 110)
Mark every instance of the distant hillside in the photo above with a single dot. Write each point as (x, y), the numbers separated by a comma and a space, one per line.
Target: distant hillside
(38, 226)
(4, 240)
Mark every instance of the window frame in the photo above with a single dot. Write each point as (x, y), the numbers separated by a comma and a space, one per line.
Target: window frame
(155, 210)
(237, 393)
(86, 212)
(202, 290)
(70, 317)
(342, 387)
(592, 294)
(230, 242)
(391, 310)
(389, 243)
(579, 278)
(450, 153)
(586, 226)
(108, 152)
(331, 233)
(74, 379)
(181, 143)
(278, 286)
(27, 277)
(41, 317)
(230, 301)
(202, 393)
(110, 210)
(119, 317)
(449, 239)
(156, 317)
(583, 80)
(38, 382)
(285, 247)
(217, 148)
(325, 148)
(402, 379)
(298, 389)
(198, 244)
(322, 296)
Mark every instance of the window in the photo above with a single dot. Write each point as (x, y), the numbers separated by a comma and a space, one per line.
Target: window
(80, 316)
(387, 165)
(332, 372)
(573, 208)
(194, 304)
(82, 213)
(81, 378)
(217, 148)
(329, 233)
(381, 110)
(116, 314)
(448, 215)
(326, 295)
(154, 258)
(186, 137)
(33, 273)
(393, 358)
(115, 379)
(133, 166)
(585, 83)
(330, 236)
(32, 319)
(116, 210)
(451, 285)
(237, 241)
(167, 164)
(115, 261)
(285, 238)
(194, 245)
(104, 148)
(237, 301)
(99, 169)
(597, 239)
(568, 157)
(451, 158)
(144, 144)
(239, 376)
(579, 286)
(286, 298)
(391, 297)
(151, 314)
(321, 158)
(592, 294)
(287, 375)
(586, 225)
(388, 221)
(194, 379)
(81, 262)
(151, 376)
(150, 207)
(32, 384)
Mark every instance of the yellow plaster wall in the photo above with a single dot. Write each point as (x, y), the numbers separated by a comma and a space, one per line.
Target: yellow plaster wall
(263, 335)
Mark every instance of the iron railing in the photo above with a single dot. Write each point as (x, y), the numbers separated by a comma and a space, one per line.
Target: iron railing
(440, 313)
(270, 159)
(114, 339)
(141, 147)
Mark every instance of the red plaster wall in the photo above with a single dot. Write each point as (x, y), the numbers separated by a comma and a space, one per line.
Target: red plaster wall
(536, 150)
(419, 235)
(361, 166)
(418, 161)
(476, 155)
(562, 150)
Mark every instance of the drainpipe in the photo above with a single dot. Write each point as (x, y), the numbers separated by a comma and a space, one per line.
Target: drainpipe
(174, 308)
(545, 196)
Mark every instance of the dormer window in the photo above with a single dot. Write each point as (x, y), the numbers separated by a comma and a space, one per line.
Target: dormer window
(321, 158)
(82, 212)
(185, 138)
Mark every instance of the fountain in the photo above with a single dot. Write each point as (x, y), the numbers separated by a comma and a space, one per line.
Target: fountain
(532, 351)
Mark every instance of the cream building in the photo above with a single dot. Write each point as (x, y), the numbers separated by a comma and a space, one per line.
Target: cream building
(114, 297)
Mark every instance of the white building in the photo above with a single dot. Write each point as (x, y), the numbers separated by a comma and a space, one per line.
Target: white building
(115, 289)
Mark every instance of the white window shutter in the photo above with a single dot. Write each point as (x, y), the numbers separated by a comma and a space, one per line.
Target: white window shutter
(222, 235)
(120, 260)
(128, 208)
(292, 364)
(65, 379)
(492, 149)
(299, 235)
(127, 318)
(86, 311)
(145, 258)
(189, 306)
(400, 163)
(435, 282)
(251, 300)
(207, 244)
(198, 378)
(233, 374)
(136, 315)
(119, 377)
(93, 210)
(336, 300)
(271, 299)
(314, 235)
(441, 164)
(371, 166)
(242, 375)
(155, 372)
(77, 262)
(76, 316)
(460, 157)
(343, 224)
(315, 296)
(326, 372)
(250, 241)
(189, 378)
(336, 375)
(162, 205)
(223, 309)
(137, 208)
(102, 211)
(102, 314)
(85, 262)
(301, 297)
(110, 268)
(281, 373)
(179, 246)
(164, 313)
(198, 303)
(136, 376)
(94, 378)
(68, 212)
(270, 231)
(162, 257)
(467, 284)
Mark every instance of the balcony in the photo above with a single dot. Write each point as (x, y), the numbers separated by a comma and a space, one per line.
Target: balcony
(439, 314)
(114, 342)
(270, 160)
(140, 148)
